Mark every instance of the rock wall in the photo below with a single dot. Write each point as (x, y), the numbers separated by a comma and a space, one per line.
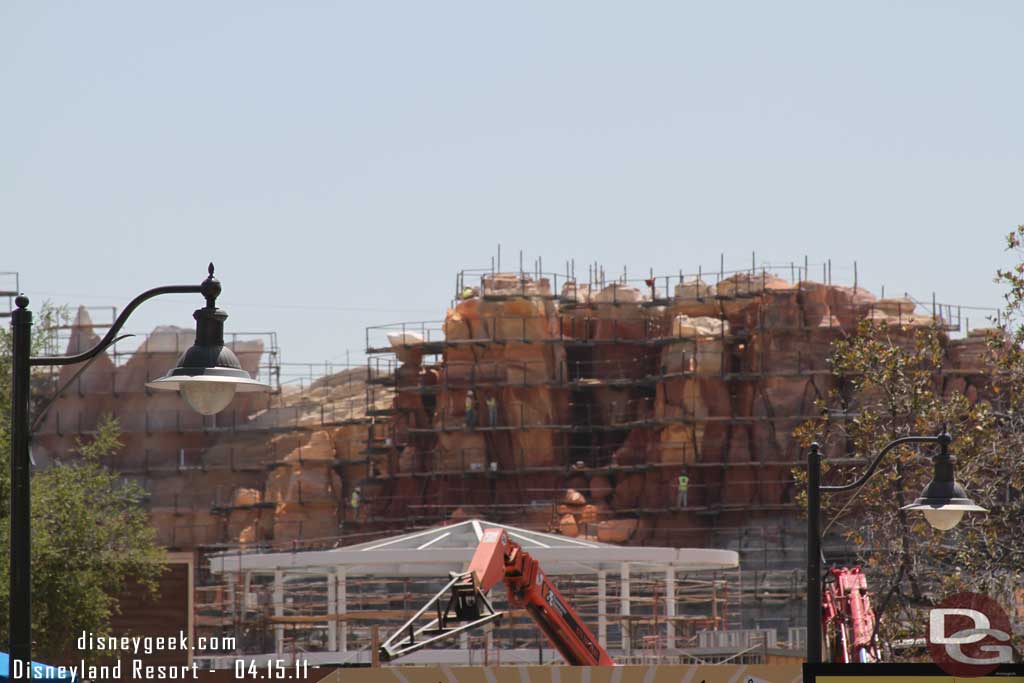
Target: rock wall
(610, 395)
(602, 398)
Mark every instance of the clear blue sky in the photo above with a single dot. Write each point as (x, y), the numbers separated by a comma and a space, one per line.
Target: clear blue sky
(340, 161)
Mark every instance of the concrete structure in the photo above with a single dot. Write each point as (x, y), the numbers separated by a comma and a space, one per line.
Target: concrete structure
(323, 591)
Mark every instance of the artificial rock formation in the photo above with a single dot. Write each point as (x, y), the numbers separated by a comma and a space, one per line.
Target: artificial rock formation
(612, 394)
(602, 397)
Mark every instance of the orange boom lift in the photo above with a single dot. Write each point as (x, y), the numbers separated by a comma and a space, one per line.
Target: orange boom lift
(468, 607)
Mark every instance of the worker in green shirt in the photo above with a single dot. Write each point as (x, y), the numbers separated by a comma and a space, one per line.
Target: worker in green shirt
(682, 485)
(354, 500)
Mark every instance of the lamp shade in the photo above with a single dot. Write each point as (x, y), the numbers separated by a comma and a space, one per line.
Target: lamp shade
(208, 378)
(944, 504)
(208, 374)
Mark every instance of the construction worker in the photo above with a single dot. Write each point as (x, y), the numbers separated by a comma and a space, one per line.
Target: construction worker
(470, 410)
(492, 411)
(681, 488)
(354, 500)
(467, 293)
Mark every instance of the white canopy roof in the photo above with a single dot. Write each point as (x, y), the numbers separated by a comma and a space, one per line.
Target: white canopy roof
(441, 549)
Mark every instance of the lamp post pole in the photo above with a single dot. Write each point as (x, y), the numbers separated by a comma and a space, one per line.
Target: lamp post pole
(814, 553)
(207, 363)
(943, 502)
(21, 522)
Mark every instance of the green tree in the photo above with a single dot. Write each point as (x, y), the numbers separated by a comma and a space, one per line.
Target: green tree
(90, 532)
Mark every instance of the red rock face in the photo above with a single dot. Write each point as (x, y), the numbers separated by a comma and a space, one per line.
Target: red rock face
(603, 392)
(614, 396)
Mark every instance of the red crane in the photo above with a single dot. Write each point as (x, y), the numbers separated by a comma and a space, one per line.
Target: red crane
(847, 619)
(496, 559)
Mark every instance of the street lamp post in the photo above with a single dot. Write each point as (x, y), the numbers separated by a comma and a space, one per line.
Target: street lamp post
(942, 501)
(208, 374)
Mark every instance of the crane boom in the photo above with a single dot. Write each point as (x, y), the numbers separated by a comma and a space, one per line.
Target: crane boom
(848, 621)
(498, 559)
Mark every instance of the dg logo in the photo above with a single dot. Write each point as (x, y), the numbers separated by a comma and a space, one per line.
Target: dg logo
(969, 635)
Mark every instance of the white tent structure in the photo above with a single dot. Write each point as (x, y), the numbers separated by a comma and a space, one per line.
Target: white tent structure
(435, 552)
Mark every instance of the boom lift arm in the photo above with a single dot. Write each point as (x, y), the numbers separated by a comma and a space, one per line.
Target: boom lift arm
(495, 559)
(847, 619)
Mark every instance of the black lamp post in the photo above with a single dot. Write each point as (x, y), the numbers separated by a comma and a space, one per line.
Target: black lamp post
(943, 502)
(208, 374)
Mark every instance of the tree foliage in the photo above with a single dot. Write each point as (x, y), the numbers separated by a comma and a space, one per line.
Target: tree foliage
(90, 532)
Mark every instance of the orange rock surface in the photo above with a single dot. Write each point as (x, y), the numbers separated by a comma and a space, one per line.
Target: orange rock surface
(587, 404)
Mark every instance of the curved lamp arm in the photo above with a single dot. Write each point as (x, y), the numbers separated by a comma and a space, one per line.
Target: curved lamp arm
(111, 335)
(942, 438)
